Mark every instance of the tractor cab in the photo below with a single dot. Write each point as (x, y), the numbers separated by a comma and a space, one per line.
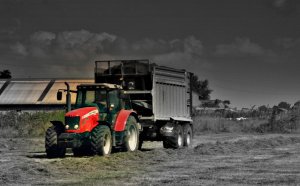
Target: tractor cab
(107, 98)
(96, 103)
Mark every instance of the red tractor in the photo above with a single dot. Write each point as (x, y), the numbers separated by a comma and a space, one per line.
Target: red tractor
(102, 118)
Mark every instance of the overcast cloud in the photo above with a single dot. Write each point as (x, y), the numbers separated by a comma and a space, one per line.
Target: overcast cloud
(78, 49)
(75, 51)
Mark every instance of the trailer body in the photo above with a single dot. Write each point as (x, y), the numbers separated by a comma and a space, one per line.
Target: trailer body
(165, 90)
(160, 95)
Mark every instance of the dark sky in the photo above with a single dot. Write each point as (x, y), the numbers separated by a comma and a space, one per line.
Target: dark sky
(249, 50)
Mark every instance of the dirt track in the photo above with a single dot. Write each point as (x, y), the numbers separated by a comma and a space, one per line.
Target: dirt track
(224, 159)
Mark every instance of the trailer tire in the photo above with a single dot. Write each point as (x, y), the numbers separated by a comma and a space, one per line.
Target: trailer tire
(101, 140)
(51, 143)
(176, 140)
(131, 141)
(187, 135)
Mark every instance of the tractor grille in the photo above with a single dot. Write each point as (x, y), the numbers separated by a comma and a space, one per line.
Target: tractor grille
(72, 121)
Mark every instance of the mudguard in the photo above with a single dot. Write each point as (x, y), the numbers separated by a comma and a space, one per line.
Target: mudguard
(58, 124)
(122, 119)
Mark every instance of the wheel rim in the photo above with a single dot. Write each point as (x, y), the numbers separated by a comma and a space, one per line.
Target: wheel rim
(107, 144)
(179, 140)
(132, 140)
(188, 139)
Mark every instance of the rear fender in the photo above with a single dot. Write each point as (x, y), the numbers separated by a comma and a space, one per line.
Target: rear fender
(58, 124)
(122, 119)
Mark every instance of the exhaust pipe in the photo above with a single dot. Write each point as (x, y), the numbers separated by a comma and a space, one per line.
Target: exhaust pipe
(68, 97)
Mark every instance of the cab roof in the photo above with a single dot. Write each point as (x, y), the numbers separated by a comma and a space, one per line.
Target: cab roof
(101, 85)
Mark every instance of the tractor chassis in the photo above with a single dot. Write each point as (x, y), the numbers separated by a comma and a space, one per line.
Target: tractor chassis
(74, 140)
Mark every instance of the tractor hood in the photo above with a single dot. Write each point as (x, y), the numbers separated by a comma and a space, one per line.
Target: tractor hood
(82, 119)
(83, 112)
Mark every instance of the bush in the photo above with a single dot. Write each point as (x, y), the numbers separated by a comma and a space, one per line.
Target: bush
(283, 122)
(216, 124)
(276, 121)
(27, 124)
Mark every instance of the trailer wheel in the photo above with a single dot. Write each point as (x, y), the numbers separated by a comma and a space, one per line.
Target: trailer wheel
(131, 142)
(101, 141)
(188, 135)
(51, 145)
(175, 141)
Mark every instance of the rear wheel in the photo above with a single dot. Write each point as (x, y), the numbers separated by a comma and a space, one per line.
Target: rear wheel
(188, 135)
(131, 142)
(101, 141)
(51, 144)
(176, 140)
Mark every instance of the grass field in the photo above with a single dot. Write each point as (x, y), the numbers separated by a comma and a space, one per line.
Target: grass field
(224, 152)
(214, 159)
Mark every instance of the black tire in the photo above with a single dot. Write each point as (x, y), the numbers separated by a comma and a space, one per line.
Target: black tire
(131, 141)
(101, 140)
(140, 144)
(175, 141)
(187, 135)
(51, 145)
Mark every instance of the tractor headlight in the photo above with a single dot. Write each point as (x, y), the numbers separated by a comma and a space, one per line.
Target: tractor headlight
(76, 127)
(67, 127)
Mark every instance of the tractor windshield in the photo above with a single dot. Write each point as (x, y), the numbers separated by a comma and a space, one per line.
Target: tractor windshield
(95, 98)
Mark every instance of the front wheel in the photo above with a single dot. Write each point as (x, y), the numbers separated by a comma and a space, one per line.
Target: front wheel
(131, 142)
(101, 140)
(51, 145)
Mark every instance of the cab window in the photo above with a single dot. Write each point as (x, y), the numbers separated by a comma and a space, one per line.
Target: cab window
(114, 101)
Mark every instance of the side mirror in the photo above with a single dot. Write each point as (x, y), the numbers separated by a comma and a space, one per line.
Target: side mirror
(59, 96)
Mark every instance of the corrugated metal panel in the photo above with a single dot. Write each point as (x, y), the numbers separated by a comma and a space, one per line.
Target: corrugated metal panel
(22, 92)
(170, 100)
(1, 83)
(170, 96)
(172, 76)
(50, 98)
(19, 92)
